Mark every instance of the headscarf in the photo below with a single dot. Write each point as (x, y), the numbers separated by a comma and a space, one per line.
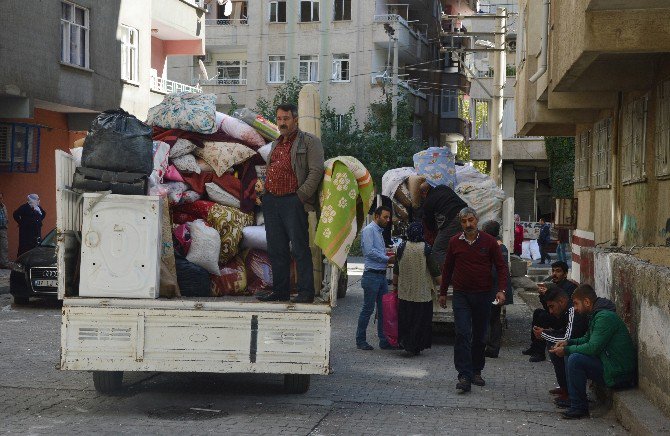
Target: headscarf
(34, 202)
(517, 218)
(415, 232)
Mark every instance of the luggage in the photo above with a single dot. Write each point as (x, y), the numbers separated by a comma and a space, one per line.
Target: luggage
(94, 180)
(118, 142)
(390, 317)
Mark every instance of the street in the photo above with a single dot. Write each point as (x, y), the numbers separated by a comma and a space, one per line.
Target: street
(369, 392)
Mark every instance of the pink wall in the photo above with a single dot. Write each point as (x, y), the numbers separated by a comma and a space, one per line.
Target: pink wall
(157, 55)
(160, 49)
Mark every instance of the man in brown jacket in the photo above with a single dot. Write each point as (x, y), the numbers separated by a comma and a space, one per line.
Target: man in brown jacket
(294, 172)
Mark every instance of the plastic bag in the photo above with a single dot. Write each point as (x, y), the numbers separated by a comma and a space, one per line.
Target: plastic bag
(233, 279)
(205, 247)
(267, 129)
(119, 142)
(390, 317)
(241, 131)
(254, 237)
(193, 280)
(161, 151)
(76, 155)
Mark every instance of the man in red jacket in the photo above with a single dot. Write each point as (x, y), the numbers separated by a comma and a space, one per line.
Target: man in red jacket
(470, 257)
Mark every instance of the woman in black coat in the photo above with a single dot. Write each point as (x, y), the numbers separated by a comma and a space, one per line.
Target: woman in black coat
(29, 216)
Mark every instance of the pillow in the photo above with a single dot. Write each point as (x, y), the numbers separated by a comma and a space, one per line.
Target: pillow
(264, 151)
(193, 112)
(254, 237)
(223, 155)
(219, 195)
(199, 208)
(241, 131)
(188, 163)
(204, 166)
(205, 246)
(233, 279)
(172, 174)
(181, 147)
(161, 151)
(229, 222)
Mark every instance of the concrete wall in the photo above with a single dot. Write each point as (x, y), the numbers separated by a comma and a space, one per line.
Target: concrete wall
(641, 292)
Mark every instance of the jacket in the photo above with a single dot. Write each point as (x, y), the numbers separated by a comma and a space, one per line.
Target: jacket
(440, 207)
(545, 235)
(307, 164)
(569, 325)
(608, 339)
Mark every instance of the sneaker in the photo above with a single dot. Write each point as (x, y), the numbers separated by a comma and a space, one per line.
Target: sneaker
(478, 380)
(365, 346)
(575, 414)
(537, 358)
(463, 385)
(562, 403)
(558, 391)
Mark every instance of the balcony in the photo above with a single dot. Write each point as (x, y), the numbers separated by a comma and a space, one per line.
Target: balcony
(412, 42)
(454, 129)
(179, 25)
(226, 22)
(229, 81)
(456, 81)
(165, 86)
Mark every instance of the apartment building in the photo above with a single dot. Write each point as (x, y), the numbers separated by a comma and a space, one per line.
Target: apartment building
(525, 169)
(63, 62)
(600, 71)
(341, 46)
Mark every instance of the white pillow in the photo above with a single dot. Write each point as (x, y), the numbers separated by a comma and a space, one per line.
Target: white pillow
(260, 219)
(76, 154)
(187, 163)
(182, 147)
(264, 151)
(205, 247)
(219, 195)
(254, 237)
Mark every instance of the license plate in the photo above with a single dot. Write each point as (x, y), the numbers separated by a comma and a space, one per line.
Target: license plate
(46, 283)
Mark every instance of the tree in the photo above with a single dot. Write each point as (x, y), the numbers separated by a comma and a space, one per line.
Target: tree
(286, 93)
(561, 157)
(481, 115)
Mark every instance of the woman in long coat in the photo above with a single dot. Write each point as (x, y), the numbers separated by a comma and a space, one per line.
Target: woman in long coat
(29, 216)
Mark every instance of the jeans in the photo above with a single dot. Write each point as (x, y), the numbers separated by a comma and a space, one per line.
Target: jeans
(471, 317)
(441, 244)
(559, 369)
(495, 330)
(544, 255)
(561, 251)
(286, 222)
(579, 368)
(374, 287)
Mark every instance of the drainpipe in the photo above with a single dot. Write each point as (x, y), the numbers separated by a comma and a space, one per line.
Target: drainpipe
(542, 68)
(614, 168)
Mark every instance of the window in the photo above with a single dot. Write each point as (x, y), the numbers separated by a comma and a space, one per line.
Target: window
(583, 160)
(340, 68)
(278, 11)
(449, 103)
(19, 147)
(129, 48)
(231, 72)
(662, 135)
(340, 122)
(342, 10)
(74, 35)
(602, 146)
(633, 137)
(276, 69)
(309, 69)
(309, 11)
(239, 15)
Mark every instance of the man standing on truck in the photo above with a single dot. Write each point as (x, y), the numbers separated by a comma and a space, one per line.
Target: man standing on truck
(374, 277)
(470, 259)
(440, 209)
(294, 172)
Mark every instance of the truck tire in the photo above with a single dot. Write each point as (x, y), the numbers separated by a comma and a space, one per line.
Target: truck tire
(296, 383)
(343, 283)
(107, 382)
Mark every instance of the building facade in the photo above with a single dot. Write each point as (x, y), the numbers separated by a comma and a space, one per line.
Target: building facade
(600, 71)
(63, 62)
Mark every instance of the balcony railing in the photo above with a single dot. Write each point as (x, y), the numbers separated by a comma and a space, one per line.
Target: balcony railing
(165, 86)
(395, 18)
(226, 22)
(412, 90)
(229, 81)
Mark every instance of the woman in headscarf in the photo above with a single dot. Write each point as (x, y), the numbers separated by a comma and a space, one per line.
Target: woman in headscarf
(415, 273)
(518, 235)
(29, 216)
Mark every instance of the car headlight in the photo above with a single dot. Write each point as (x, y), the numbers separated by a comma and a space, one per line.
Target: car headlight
(18, 267)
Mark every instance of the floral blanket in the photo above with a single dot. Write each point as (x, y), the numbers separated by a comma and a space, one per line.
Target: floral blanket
(345, 181)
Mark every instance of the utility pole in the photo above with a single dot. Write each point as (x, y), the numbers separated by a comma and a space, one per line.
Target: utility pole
(390, 31)
(499, 78)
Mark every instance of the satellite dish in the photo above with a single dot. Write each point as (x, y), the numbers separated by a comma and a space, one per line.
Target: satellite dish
(203, 70)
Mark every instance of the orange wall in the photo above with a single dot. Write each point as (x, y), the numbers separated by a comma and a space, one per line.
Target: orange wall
(17, 186)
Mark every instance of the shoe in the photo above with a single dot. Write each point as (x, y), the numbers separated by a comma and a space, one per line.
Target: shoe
(491, 354)
(303, 299)
(529, 352)
(537, 358)
(575, 414)
(365, 346)
(463, 385)
(274, 296)
(558, 391)
(478, 380)
(562, 403)
(388, 347)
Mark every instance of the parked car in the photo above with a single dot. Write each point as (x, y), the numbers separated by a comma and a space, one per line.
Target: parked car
(35, 272)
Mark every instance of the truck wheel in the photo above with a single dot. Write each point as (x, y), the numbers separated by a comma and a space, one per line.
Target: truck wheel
(343, 283)
(20, 300)
(296, 383)
(107, 382)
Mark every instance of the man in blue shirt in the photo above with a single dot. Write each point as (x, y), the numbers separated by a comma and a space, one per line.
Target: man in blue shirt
(374, 277)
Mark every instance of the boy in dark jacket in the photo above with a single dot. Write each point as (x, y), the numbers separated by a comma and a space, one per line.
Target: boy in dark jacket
(543, 241)
(606, 353)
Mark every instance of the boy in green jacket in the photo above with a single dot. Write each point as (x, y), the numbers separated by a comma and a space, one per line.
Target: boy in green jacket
(606, 353)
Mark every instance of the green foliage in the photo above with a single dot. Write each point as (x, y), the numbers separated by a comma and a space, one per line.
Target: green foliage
(561, 156)
(286, 93)
(463, 150)
(234, 105)
(356, 249)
